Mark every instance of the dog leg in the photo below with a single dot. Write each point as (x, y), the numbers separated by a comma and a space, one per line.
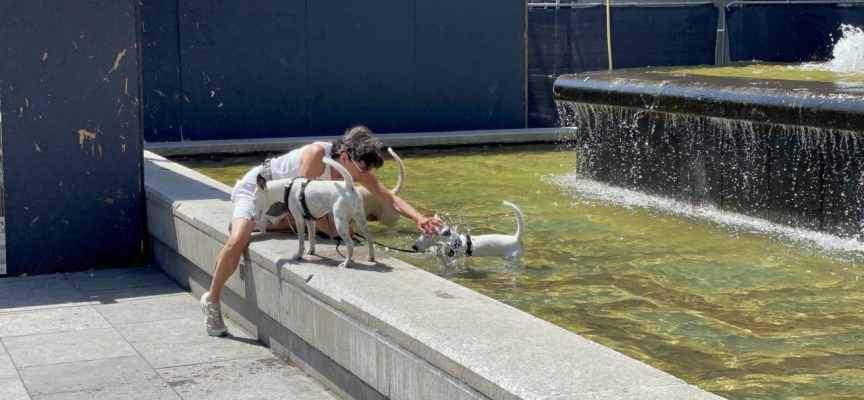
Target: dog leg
(310, 228)
(345, 233)
(364, 226)
(301, 237)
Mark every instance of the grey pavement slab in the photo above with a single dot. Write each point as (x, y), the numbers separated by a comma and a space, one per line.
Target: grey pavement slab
(151, 309)
(7, 368)
(120, 278)
(86, 336)
(257, 378)
(33, 293)
(184, 342)
(64, 347)
(122, 295)
(13, 389)
(120, 373)
(50, 321)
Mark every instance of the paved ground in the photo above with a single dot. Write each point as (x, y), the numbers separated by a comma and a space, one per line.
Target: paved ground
(128, 334)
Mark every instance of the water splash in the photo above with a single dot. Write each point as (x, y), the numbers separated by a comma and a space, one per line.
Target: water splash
(848, 53)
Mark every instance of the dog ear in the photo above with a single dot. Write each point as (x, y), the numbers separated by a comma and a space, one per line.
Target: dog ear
(262, 183)
(277, 209)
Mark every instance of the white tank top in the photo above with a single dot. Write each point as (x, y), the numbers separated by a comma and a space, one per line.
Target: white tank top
(288, 165)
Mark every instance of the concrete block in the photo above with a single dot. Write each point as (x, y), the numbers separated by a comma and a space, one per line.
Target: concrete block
(297, 312)
(264, 290)
(363, 357)
(67, 347)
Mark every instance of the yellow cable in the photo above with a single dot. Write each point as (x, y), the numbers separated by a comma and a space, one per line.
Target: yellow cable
(608, 36)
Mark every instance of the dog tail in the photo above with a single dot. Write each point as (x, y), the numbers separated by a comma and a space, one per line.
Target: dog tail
(519, 221)
(342, 171)
(401, 180)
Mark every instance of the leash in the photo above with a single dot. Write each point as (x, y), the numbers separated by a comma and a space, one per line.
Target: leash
(338, 239)
(386, 246)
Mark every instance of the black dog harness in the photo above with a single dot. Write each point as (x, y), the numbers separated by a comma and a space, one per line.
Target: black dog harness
(306, 214)
(469, 247)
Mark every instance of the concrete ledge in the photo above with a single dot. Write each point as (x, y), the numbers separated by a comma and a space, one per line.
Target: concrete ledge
(385, 329)
(464, 138)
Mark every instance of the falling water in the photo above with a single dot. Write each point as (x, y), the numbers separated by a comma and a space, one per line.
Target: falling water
(794, 179)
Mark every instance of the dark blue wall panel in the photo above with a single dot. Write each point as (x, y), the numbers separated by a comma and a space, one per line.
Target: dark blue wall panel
(307, 68)
(663, 36)
(243, 69)
(361, 65)
(71, 134)
(788, 32)
(470, 64)
(160, 53)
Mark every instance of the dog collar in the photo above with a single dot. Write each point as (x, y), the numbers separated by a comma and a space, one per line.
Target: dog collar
(457, 243)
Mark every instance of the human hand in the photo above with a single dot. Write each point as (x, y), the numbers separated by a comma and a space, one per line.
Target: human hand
(428, 225)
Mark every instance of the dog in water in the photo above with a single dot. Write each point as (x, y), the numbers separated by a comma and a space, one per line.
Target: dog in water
(375, 211)
(456, 243)
(310, 199)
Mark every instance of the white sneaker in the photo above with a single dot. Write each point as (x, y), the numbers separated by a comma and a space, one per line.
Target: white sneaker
(213, 313)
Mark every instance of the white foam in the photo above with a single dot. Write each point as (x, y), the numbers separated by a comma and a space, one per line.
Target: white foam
(812, 240)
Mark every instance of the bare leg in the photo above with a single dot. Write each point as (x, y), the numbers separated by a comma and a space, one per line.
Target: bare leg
(229, 257)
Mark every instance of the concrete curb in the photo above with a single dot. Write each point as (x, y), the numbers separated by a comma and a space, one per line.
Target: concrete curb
(384, 329)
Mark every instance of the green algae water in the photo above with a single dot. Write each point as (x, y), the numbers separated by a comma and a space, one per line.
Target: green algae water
(741, 308)
(846, 67)
(794, 72)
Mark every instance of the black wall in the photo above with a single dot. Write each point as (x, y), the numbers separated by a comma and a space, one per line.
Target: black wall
(573, 40)
(788, 32)
(69, 97)
(303, 68)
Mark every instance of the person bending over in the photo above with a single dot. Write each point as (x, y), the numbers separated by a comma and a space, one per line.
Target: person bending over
(357, 150)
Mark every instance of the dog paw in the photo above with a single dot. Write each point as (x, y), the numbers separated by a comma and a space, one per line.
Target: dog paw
(345, 264)
(298, 256)
(370, 258)
(310, 251)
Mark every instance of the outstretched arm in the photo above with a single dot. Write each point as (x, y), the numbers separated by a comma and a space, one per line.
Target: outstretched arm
(387, 198)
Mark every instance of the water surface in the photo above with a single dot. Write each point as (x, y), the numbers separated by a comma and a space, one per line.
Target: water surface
(718, 303)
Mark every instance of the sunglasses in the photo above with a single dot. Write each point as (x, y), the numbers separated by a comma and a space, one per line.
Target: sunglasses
(362, 171)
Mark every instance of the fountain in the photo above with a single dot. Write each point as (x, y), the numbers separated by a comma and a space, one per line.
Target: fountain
(787, 149)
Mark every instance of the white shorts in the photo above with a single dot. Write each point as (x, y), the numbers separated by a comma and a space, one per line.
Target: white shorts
(241, 196)
(244, 207)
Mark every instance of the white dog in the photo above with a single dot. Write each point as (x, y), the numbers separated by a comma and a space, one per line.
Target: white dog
(375, 211)
(309, 196)
(507, 247)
